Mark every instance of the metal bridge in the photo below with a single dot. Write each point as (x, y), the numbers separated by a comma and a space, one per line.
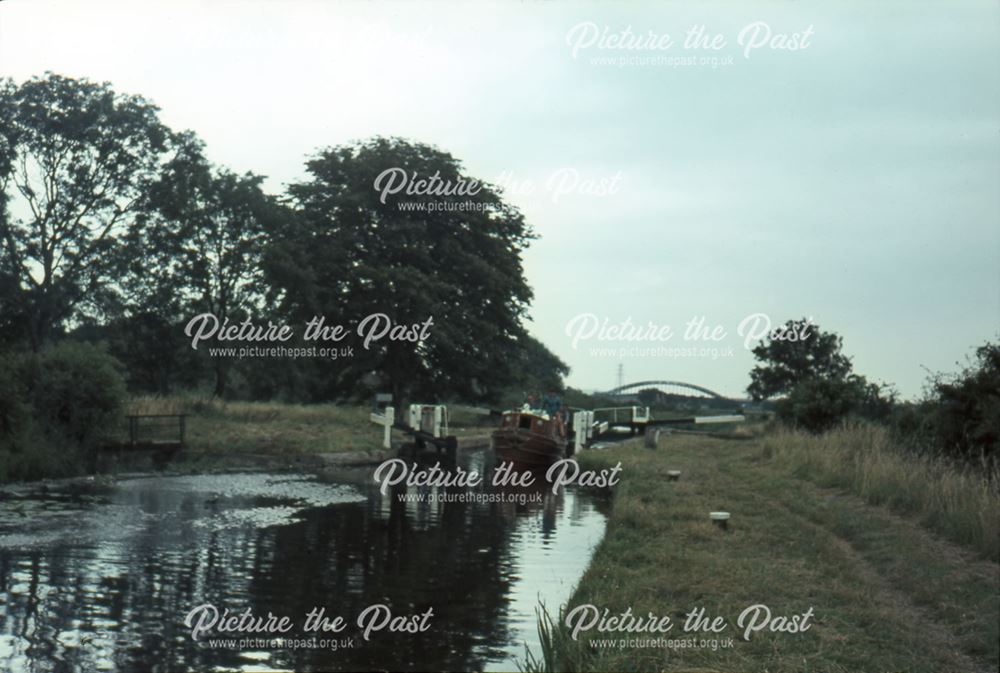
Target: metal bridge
(640, 385)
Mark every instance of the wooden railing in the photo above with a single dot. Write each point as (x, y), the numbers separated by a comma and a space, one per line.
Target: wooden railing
(156, 430)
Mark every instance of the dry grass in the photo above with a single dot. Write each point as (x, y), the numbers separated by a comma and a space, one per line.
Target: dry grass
(959, 503)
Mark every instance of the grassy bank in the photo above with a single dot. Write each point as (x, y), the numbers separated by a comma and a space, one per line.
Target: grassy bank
(228, 435)
(219, 427)
(887, 591)
(956, 502)
(215, 426)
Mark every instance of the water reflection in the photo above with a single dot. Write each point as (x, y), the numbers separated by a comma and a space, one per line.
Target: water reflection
(103, 583)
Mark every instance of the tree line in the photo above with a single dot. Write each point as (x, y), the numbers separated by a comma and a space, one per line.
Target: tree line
(812, 384)
(117, 229)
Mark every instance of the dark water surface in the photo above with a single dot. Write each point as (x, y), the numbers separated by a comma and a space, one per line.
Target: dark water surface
(104, 582)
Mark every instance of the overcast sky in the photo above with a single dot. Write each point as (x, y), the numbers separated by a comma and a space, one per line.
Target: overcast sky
(855, 180)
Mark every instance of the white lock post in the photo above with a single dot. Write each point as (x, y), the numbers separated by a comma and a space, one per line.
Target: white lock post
(438, 417)
(386, 419)
(579, 430)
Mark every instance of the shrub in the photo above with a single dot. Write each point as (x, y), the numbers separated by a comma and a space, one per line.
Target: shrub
(817, 405)
(55, 407)
(15, 411)
(964, 411)
(16, 422)
(77, 389)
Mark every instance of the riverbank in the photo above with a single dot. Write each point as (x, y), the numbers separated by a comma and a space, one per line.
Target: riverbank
(887, 592)
(221, 436)
(273, 435)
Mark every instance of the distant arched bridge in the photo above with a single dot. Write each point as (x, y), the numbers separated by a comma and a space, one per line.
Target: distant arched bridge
(639, 385)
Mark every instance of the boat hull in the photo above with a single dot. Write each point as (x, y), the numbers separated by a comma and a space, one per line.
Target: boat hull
(529, 440)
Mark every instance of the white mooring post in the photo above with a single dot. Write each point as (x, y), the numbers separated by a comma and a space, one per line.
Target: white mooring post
(579, 431)
(386, 420)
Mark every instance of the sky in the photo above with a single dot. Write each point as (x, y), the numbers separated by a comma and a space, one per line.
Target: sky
(832, 160)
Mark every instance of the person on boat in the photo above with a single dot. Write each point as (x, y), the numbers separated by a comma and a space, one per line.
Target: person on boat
(564, 414)
(551, 404)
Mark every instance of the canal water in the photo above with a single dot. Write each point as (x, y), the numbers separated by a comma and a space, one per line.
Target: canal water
(104, 582)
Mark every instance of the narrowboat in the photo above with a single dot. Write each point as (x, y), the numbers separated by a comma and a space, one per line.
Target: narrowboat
(530, 438)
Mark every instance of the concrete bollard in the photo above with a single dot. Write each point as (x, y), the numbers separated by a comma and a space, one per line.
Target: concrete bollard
(720, 519)
(652, 438)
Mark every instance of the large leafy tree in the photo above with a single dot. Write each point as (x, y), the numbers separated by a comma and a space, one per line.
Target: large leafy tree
(818, 387)
(12, 317)
(798, 351)
(538, 369)
(75, 161)
(353, 253)
(198, 248)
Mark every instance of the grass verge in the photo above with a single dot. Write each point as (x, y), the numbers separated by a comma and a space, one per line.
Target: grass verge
(887, 593)
(958, 502)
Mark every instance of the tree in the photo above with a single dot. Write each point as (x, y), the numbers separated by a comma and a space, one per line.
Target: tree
(806, 367)
(75, 160)
(205, 232)
(964, 410)
(453, 258)
(538, 368)
(13, 321)
(797, 351)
